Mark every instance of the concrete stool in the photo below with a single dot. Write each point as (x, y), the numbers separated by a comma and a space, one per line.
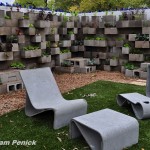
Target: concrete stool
(106, 130)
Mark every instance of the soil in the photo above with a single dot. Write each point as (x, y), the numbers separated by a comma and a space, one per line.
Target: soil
(66, 82)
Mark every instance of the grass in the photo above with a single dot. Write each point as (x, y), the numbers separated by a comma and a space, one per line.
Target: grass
(16, 126)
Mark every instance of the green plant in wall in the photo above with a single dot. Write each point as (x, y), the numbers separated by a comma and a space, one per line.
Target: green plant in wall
(100, 38)
(119, 39)
(45, 54)
(127, 45)
(26, 17)
(65, 51)
(7, 17)
(70, 32)
(142, 37)
(66, 64)
(130, 66)
(31, 25)
(135, 51)
(30, 47)
(17, 65)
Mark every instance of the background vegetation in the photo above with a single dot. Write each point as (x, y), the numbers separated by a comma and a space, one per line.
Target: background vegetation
(86, 5)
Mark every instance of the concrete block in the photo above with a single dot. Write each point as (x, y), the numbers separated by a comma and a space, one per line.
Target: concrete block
(74, 48)
(125, 50)
(2, 22)
(53, 37)
(23, 23)
(21, 39)
(40, 24)
(60, 58)
(81, 48)
(15, 47)
(30, 31)
(5, 31)
(4, 56)
(2, 13)
(31, 53)
(70, 37)
(107, 68)
(144, 66)
(55, 51)
(128, 73)
(91, 30)
(132, 37)
(142, 44)
(136, 57)
(68, 24)
(65, 43)
(84, 20)
(65, 69)
(110, 31)
(143, 75)
(3, 89)
(44, 59)
(15, 14)
(42, 45)
(145, 30)
(113, 62)
(36, 39)
(62, 31)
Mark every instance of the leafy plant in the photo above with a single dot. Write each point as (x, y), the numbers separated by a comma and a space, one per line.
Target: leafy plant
(30, 47)
(130, 66)
(17, 65)
(91, 62)
(100, 38)
(70, 32)
(110, 24)
(11, 39)
(135, 51)
(64, 51)
(127, 45)
(25, 17)
(142, 37)
(7, 17)
(119, 39)
(31, 25)
(45, 54)
(66, 64)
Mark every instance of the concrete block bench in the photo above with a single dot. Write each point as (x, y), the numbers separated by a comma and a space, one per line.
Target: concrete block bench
(106, 130)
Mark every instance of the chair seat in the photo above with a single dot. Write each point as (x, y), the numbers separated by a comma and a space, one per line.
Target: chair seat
(106, 130)
(140, 104)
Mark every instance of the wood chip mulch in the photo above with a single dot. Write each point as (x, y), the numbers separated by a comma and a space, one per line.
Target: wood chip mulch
(66, 82)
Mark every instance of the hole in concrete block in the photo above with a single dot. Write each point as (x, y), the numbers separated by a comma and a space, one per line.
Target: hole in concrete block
(146, 102)
(77, 63)
(136, 74)
(18, 86)
(90, 69)
(11, 87)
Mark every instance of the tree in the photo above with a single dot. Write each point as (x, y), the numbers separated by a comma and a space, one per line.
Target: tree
(35, 3)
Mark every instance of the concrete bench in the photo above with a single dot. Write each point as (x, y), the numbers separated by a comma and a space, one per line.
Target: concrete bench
(106, 130)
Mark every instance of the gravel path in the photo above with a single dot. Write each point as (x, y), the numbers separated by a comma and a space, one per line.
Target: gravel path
(66, 82)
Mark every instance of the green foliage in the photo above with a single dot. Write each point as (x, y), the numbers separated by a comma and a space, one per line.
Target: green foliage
(31, 25)
(130, 66)
(70, 32)
(30, 48)
(45, 54)
(17, 65)
(135, 51)
(26, 17)
(119, 39)
(66, 63)
(127, 45)
(11, 39)
(100, 38)
(33, 128)
(142, 37)
(7, 17)
(64, 51)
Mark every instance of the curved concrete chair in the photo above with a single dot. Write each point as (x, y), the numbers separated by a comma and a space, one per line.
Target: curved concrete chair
(140, 103)
(43, 94)
(106, 130)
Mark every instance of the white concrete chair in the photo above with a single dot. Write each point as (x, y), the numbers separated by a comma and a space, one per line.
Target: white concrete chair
(43, 94)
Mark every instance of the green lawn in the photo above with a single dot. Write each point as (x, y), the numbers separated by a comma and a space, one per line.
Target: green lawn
(16, 126)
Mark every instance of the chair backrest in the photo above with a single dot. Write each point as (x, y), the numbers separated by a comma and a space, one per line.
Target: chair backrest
(148, 82)
(41, 86)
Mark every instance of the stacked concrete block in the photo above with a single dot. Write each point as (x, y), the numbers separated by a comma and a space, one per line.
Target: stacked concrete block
(10, 81)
